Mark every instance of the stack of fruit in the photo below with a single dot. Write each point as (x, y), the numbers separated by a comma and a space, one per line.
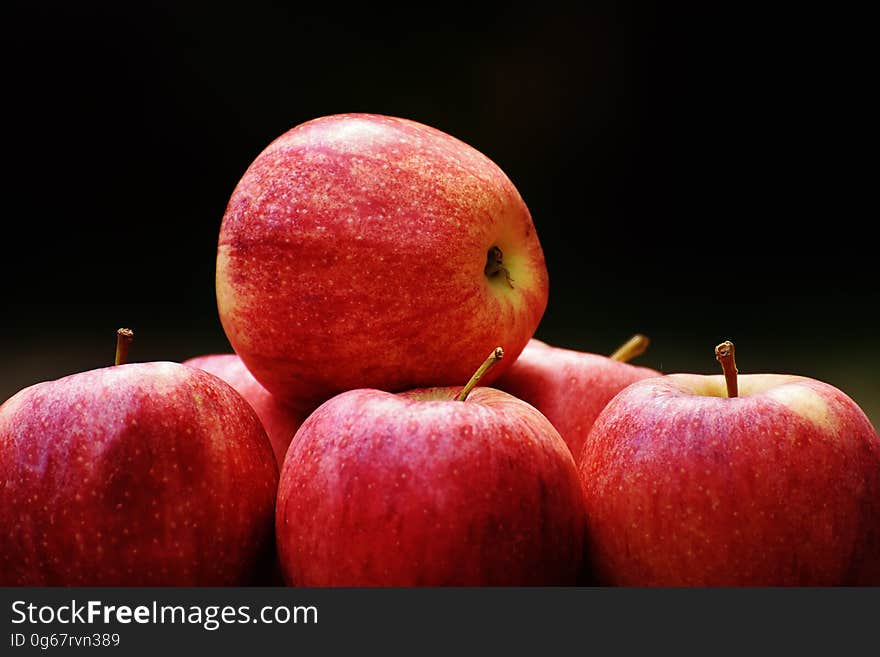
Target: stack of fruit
(366, 267)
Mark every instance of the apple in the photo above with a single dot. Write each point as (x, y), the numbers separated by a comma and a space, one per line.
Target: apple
(279, 421)
(143, 474)
(572, 387)
(753, 480)
(353, 241)
(429, 487)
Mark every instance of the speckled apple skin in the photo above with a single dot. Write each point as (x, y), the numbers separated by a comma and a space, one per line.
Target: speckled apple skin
(777, 487)
(147, 474)
(386, 490)
(279, 421)
(352, 255)
(569, 387)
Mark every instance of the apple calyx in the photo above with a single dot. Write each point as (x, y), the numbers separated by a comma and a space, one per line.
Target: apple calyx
(124, 338)
(635, 346)
(495, 265)
(724, 354)
(496, 355)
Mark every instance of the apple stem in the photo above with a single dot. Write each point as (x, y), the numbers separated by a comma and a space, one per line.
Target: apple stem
(724, 355)
(496, 355)
(635, 346)
(124, 337)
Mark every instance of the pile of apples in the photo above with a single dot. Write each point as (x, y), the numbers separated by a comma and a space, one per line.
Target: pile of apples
(366, 267)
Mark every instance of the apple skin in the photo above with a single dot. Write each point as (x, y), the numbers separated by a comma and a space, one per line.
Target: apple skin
(569, 387)
(777, 487)
(354, 241)
(148, 474)
(279, 421)
(418, 490)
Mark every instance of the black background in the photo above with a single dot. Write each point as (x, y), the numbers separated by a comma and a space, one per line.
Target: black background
(694, 173)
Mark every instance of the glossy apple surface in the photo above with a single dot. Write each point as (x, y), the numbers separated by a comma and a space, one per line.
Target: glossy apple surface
(279, 421)
(418, 490)
(148, 474)
(779, 486)
(569, 387)
(354, 241)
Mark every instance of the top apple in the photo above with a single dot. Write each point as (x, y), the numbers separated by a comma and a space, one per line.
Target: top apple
(369, 251)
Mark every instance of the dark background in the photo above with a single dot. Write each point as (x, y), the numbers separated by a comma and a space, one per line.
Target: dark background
(694, 173)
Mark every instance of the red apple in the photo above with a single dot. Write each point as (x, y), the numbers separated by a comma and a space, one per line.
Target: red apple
(425, 489)
(780, 485)
(572, 387)
(279, 421)
(147, 474)
(353, 241)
